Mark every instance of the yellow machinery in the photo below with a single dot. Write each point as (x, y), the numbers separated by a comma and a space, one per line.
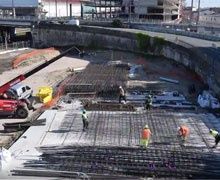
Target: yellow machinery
(45, 94)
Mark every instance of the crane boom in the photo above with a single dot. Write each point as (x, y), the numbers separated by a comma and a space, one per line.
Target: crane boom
(22, 77)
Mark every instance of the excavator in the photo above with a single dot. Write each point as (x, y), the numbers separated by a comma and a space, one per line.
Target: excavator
(19, 108)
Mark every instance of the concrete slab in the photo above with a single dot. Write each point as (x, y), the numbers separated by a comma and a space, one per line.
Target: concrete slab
(112, 129)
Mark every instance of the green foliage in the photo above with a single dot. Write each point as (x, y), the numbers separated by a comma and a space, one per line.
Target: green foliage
(150, 44)
(117, 23)
(159, 41)
(143, 41)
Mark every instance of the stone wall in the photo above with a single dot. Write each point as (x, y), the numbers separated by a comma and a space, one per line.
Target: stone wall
(97, 37)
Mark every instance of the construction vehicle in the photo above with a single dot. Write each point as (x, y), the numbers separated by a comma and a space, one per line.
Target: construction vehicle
(15, 107)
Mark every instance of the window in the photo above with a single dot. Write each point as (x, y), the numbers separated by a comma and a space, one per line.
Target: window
(23, 89)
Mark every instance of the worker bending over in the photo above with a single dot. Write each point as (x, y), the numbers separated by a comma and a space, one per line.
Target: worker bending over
(85, 120)
(183, 132)
(121, 94)
(145, 136)
(148, 102)
(216, 135)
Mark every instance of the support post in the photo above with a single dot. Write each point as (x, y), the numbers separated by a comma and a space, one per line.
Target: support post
(110, 8)
(191, 14)
(70, 10)
(105, 9)
(198, 12)
(81, 10)
(56, 7)
(100, 9)
(6, 39)
(13, 9)
(67, 8)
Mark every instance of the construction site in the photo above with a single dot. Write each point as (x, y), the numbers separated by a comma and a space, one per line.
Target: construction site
(51, 142)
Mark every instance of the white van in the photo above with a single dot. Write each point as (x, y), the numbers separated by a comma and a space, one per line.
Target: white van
(20, 91)
(73, 22)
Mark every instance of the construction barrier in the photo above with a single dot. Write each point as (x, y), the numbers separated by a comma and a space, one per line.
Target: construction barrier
(45, 94)
(27, 56)
(58, 94)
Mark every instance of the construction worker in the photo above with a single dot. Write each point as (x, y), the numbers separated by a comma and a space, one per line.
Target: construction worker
(148, 102)
(183, 132)
(85, 120)
(145, 136)
(216, 135)
(29, 104)
(121, 94)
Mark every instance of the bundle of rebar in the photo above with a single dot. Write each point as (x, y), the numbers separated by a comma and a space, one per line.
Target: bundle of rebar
(151, 162)
(102, 79)
(107, 106)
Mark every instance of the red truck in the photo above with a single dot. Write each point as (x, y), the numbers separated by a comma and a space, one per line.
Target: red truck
(10, 106)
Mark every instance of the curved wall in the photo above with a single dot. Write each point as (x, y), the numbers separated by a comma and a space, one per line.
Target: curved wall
(119, 39)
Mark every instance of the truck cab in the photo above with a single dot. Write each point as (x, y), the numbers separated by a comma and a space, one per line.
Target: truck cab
(20, 91)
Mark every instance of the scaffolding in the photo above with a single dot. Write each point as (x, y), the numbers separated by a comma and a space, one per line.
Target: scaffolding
(154, 10)
(107, 8)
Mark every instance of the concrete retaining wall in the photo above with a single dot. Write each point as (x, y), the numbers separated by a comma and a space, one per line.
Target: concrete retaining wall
(96, 37)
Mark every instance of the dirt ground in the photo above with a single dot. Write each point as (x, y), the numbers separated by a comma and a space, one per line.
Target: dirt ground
(48, 76)
(7, 58)
(152, 68)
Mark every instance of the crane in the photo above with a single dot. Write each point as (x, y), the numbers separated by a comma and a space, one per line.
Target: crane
(19, 107)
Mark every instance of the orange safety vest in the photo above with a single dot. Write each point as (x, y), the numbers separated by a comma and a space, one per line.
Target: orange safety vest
(184, 130)
(146, 133)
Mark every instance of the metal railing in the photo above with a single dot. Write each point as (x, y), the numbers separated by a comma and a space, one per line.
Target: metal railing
(30, 18)
(14, 45)
(163, 29)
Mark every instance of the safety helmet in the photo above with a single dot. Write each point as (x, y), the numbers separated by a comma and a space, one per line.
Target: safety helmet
(146, 127)
(84, 111)
(210, 130)
(120, 87)
(178, 128)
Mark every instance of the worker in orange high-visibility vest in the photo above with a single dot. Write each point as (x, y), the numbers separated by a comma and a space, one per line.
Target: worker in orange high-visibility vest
(145, 136)
(183, 132)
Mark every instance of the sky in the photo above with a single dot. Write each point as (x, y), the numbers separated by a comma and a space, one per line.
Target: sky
(205, 3)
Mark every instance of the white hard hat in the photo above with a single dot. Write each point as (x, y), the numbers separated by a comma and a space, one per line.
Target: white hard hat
(178, 128)
(120, 87)
(146, 127)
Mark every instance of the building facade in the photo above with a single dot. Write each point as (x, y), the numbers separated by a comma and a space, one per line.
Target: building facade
(48, 8)
(165, 10)
(61, 8)
(18, 7)
(210, 16)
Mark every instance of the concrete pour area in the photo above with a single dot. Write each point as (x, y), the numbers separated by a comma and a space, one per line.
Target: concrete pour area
(110, 147)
